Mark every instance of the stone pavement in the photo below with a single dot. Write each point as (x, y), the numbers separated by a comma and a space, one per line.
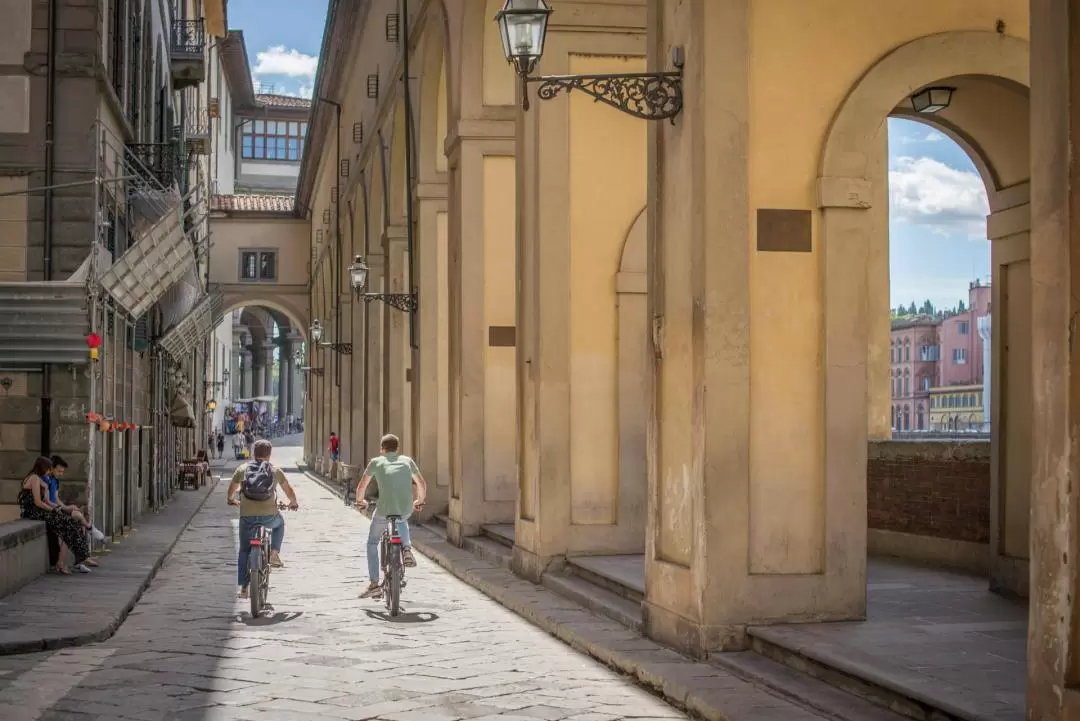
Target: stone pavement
(705, 690)
(190, 652)
(55, 611)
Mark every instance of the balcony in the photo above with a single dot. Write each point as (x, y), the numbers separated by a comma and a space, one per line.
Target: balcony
(187, 53)
(159, 162)
(196, 128)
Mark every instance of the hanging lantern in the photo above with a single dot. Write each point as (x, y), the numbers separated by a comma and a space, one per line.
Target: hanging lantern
(93, 342)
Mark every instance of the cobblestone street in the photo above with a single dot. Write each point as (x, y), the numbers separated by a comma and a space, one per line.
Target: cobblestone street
(190, 651)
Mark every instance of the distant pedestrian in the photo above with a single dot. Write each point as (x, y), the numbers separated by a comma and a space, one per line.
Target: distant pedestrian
(334, 446)
(220, 445)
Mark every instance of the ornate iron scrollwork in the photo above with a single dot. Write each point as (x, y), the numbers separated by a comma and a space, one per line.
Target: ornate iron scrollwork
(650, 96)
(405, 302)
(342, 348)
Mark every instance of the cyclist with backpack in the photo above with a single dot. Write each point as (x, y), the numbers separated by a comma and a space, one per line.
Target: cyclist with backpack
(257, 481)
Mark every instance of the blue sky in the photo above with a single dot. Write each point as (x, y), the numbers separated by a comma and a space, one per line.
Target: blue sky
(937, 217)
(282, 43)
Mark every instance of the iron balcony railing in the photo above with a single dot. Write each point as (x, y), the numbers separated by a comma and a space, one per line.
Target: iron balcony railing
(162, 161)
(188, 37)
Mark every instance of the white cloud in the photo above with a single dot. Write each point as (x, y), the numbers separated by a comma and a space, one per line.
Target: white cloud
(927, 192)
(278, 60)
(933, 136)
(304, 91)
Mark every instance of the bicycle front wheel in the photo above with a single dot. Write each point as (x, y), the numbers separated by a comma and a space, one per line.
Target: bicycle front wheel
(255, 581)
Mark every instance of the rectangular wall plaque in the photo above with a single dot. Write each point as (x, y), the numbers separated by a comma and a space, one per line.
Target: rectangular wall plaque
(502, 336)
(783, 231)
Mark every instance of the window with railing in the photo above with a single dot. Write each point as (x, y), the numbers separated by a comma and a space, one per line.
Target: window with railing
(272, 140)
(258, 265)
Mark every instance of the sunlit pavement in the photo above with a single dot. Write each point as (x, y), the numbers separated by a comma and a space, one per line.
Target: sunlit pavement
(190, 650)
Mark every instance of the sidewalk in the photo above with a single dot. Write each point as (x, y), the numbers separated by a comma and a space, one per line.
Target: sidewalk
(704, 690)
(55, 611)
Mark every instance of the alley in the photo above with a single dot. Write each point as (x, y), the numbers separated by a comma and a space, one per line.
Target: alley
(189, 651)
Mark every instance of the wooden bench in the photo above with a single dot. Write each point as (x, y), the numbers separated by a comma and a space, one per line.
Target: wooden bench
(24, 554)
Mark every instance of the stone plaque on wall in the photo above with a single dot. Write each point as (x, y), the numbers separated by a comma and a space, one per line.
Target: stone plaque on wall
(502, 336)
(783, 231)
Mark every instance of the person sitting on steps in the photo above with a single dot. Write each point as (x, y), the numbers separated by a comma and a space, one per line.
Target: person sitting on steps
(397, 475)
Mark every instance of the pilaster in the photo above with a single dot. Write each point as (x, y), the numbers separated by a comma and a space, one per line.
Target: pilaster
(398, 352)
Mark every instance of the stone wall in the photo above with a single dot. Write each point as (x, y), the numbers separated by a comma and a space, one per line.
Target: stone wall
(930, 501)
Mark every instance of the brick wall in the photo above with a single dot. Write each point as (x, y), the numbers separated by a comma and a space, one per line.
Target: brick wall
(938, 489)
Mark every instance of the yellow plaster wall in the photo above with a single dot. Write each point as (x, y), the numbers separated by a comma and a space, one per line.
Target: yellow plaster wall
(440, 122)
(500, 391)
(288, 237)
(607, 165)
(786, 317)
(499, 77)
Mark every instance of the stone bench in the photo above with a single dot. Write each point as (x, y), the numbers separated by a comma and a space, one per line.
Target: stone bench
(24, 554)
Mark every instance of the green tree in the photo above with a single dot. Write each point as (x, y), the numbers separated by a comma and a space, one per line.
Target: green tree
(912, 310)
(960, 308)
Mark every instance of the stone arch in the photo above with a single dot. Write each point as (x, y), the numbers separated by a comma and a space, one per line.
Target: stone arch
(434, 96)
(632, 317)
(289, 307)
(850, 176)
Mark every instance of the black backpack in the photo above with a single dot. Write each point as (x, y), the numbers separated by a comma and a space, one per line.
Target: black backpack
(258, 482)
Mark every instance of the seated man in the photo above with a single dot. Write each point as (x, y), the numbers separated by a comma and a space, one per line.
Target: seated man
(52, 481)
(396, 475)
(258, 481)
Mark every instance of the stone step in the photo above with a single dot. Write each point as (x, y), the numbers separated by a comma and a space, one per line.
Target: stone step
(490, 550)
(590, 574)
(858, 679)
(502, 533)
(596, 598)
(806, 690)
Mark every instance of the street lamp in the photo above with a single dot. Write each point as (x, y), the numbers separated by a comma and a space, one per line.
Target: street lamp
(523, 26)
(929, 101)
(317, 331)
(358, 277)
(211, 405)
(317, 336)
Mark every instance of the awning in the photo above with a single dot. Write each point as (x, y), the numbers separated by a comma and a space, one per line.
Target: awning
(159, 257)
(195, 326)
(181, 413)
(44, 322)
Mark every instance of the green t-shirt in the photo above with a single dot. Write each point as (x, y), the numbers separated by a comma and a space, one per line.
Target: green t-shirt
(394, 474)
(249, 507)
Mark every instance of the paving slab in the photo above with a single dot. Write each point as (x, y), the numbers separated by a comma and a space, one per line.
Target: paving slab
(56, 611)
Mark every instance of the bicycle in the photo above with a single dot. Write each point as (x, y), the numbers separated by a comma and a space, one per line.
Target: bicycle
(259, 567)
(393, 566)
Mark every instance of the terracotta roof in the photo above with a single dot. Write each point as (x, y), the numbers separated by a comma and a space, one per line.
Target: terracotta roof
(253, 203)
(282, 101)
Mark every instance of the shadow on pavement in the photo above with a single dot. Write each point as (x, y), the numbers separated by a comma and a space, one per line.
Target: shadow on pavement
(271, 620)
(403, 617)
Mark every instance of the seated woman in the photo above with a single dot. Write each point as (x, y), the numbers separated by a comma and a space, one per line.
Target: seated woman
(35, 506)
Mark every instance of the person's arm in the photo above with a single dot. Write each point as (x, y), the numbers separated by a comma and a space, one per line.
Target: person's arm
(234, 486)
(285, 486)
(420, 484)
(361, 489)
(39, 501)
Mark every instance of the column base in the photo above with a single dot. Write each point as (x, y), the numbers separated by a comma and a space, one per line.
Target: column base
(1009, 576)
(689, 637)
(457, 532)
(532, 566)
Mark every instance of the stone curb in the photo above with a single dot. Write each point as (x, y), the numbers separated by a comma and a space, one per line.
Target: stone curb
(106, 631)
(696, 687)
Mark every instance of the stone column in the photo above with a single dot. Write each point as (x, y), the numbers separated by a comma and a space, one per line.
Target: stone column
(398, 353)
(268, 364)
(721, 553)
(482, 442)
(373, 345)
(1054, 628)
(247, 376)
(432, 410)
(236, 368)
(1009, 229)
(572, 152)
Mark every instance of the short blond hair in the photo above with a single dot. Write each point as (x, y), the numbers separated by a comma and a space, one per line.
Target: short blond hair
(390, 443)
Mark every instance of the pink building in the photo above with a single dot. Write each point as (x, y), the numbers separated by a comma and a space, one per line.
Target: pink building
(961, 345)
(932, 353)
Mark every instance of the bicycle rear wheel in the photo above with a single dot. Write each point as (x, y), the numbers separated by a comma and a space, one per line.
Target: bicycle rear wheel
(393, 585)
(255, 581)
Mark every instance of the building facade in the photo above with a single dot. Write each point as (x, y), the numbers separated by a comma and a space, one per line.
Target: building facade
(103, 150)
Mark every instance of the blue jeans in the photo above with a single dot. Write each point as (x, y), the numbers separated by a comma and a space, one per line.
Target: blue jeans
(375, 531)
(275, 523)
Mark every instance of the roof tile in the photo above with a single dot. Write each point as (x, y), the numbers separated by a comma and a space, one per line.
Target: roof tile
(253, 203)
(282, 101)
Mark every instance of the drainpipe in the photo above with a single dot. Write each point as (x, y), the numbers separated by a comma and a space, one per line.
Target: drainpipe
(50, 117)
(409, 184)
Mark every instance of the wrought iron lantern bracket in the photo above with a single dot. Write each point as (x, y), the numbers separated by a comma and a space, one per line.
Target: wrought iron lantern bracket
(342, 348)
(405, 302)
(649, 96)
(313, 371)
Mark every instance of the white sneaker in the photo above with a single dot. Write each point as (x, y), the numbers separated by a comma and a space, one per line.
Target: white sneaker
(96, 534)
(82, 568)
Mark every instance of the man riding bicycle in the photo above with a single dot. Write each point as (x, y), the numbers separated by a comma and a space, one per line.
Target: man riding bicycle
(258, 481)
(396, 476)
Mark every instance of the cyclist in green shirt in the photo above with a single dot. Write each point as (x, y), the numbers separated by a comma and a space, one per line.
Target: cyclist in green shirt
(396, 476)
